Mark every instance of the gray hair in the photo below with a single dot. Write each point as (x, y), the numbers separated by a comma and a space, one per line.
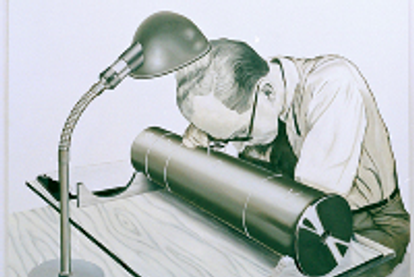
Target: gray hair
(230, 70)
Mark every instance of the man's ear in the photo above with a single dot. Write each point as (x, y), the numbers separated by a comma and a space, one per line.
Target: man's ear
(267, 89)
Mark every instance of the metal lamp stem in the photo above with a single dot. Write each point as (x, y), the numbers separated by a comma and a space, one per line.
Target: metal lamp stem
(65, 237)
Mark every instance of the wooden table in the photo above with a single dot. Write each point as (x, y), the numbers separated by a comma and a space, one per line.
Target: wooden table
(151, 234)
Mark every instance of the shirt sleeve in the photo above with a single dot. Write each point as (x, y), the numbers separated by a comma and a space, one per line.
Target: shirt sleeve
(335, 123)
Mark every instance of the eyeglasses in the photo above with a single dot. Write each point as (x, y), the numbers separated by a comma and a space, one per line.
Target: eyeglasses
(215, 143)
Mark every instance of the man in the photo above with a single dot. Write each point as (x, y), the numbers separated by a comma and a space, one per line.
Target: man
(314, 120)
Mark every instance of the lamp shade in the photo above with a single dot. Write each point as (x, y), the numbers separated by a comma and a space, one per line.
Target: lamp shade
(169, 41)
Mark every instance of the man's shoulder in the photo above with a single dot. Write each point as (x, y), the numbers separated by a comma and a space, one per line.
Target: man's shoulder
(330, 68)
(317, 62)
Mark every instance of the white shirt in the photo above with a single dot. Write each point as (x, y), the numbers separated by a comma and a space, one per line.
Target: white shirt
(336, 131)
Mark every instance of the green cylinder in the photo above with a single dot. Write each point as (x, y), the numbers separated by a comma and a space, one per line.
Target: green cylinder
(309, 225)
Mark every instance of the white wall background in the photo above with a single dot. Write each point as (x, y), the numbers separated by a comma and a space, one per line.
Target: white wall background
(3, 138)
(58, 48)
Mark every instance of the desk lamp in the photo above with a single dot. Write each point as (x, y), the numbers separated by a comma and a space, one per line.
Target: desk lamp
(163, 43)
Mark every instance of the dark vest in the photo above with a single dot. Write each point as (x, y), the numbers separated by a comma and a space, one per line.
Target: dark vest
(282, 159)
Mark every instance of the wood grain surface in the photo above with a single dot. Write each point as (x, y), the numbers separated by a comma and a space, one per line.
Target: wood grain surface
(152, 234)
(33, 238)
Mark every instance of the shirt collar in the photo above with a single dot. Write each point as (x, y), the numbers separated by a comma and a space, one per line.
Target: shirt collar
(291, 78)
